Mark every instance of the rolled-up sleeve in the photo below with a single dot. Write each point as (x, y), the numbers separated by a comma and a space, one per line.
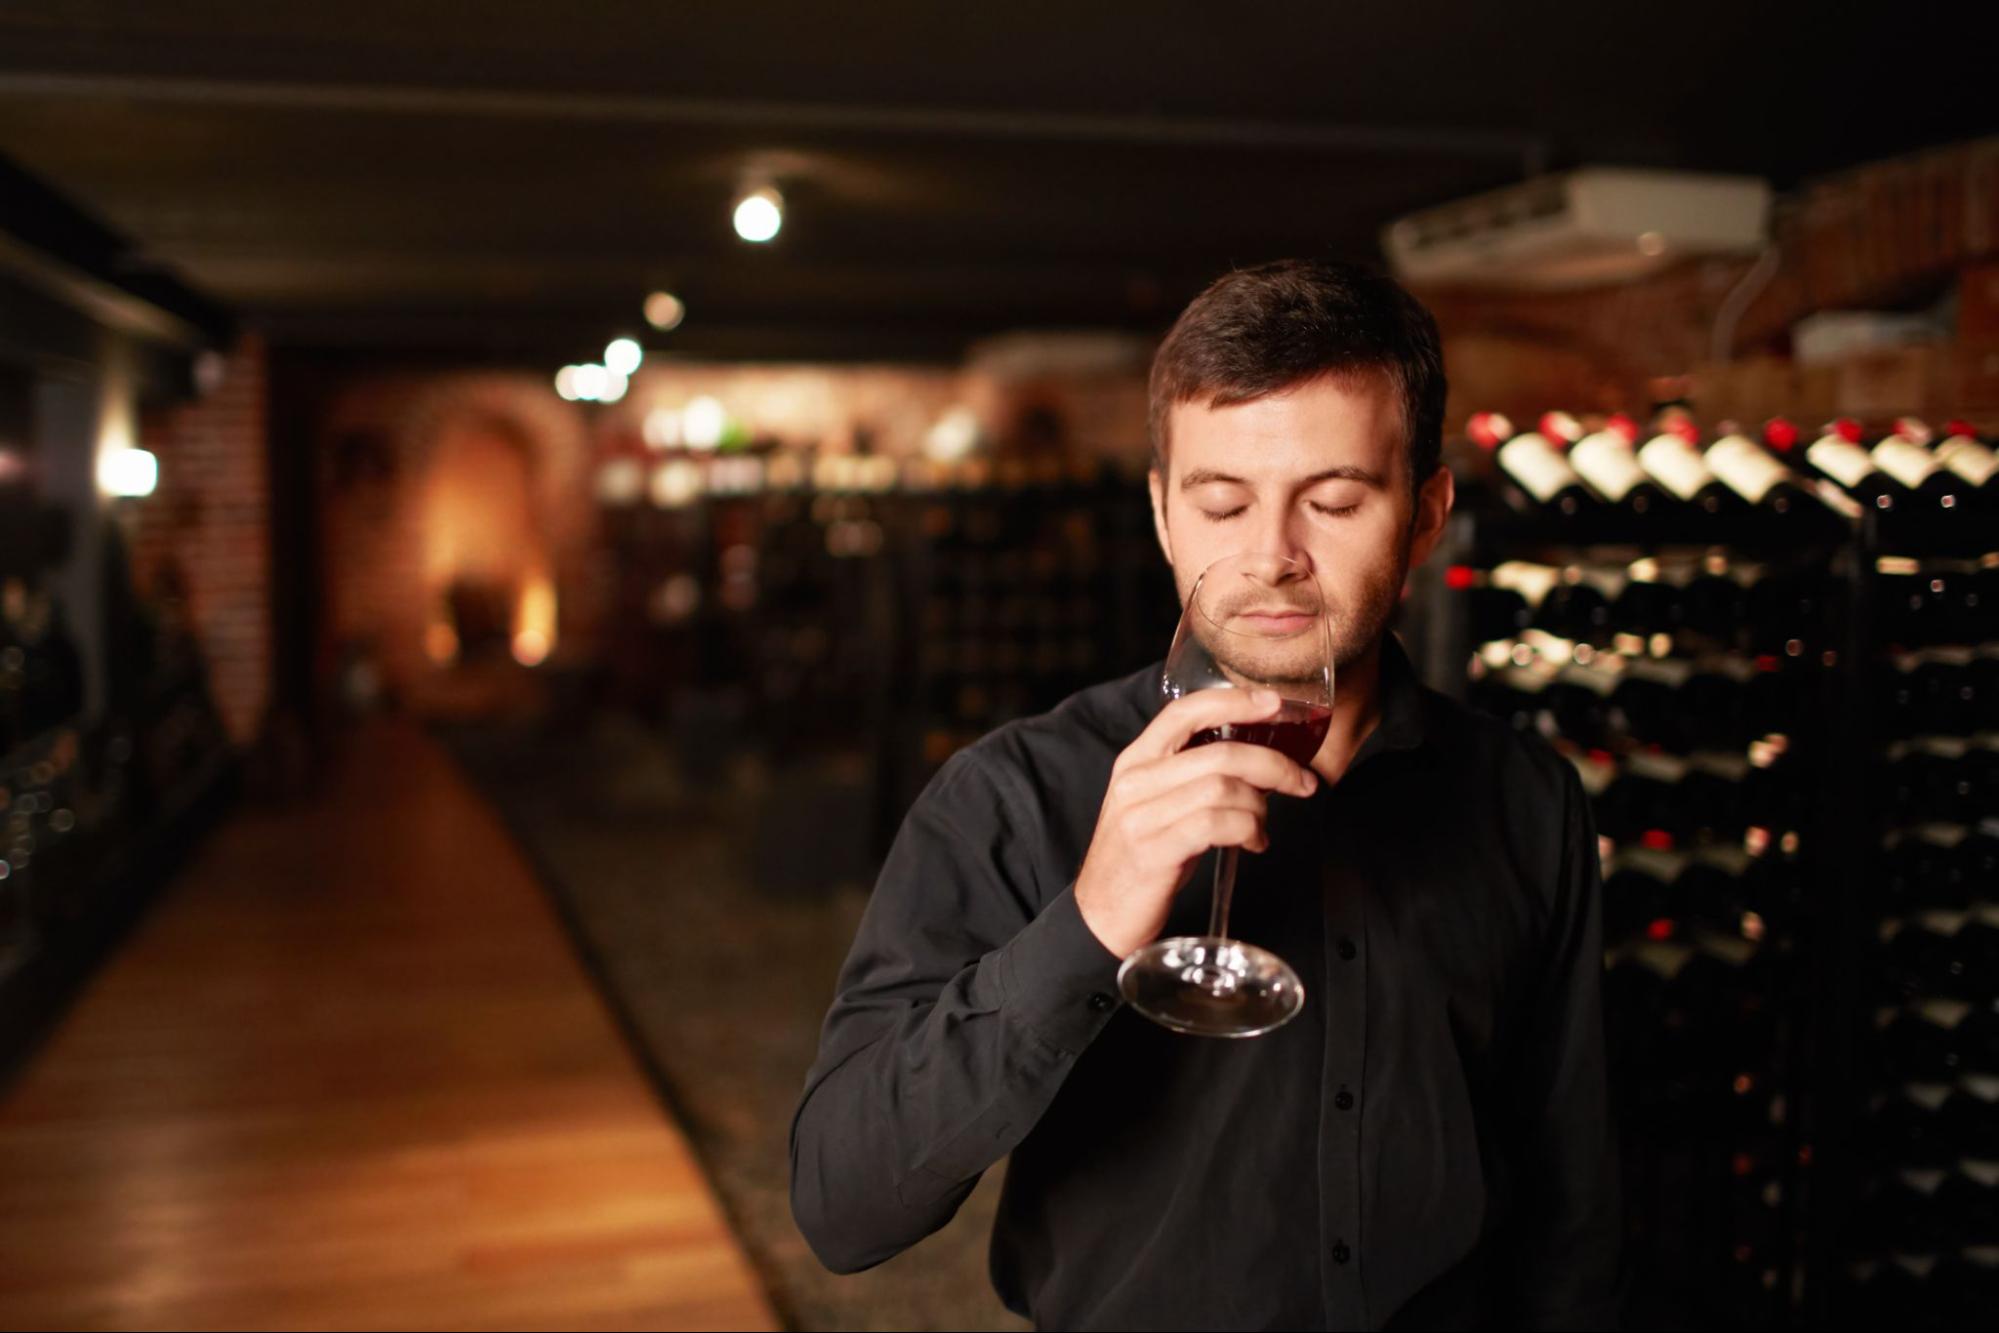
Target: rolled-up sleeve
(970, 990)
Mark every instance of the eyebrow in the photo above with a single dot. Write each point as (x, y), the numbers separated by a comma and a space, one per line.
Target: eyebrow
(1208, 476)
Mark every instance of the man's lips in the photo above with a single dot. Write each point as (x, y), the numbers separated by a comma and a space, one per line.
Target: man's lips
(1276, 619)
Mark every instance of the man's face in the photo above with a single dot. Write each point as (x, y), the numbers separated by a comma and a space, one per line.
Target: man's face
(1317, 473)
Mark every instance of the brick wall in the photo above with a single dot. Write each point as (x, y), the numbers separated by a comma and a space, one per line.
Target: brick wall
(206, 528)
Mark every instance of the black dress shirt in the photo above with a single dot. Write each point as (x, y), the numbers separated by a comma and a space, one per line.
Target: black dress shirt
(1426, 1145)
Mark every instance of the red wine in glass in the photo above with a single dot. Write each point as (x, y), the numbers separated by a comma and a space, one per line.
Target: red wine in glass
(1297, 732)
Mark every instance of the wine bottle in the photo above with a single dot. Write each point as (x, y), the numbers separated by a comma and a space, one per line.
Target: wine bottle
(1941, 692)
(1968, 1199)
(1713, 698)
(1541, 477)
(1755, 474)
(1772, 891)
(1607, 460)
(1837, 456)
(1646, 804)
(1983, 673)
(1781, 437)
(1673, 459)
(1777, 700)
(1646, 608)
(1904, 1130)
(1924, 869)
(1716, 793)
(1785, 613)
(1519, 697)
(1576, 610)
(1579, 697)
(1920, 1046)
(1714, 603)
(1491, 612)
(1972, 460)
(1645, 705)
(1904, 455)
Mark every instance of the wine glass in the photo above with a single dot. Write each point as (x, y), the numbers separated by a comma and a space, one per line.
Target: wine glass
(1252, 621)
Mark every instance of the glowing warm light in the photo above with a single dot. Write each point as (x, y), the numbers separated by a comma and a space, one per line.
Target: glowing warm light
(759, 214)
(534, 621)
(1651, 244)
(530, 647)
(664, 311)
(623, 355)
(614, 386)
(621, 481)
(565, 383)
(589, 382)
(127, 472)
(955, 435)
(676, 483)
(440, 643)
(12, 465)
(702, 424)
(661, 429)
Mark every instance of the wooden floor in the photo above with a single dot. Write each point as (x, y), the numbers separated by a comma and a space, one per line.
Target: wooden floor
(349, 1074)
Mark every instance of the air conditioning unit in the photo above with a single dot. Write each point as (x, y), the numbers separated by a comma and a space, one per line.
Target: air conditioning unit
(1580, 228)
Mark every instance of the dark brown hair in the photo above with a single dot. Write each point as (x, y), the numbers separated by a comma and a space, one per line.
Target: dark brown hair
(1262, 330)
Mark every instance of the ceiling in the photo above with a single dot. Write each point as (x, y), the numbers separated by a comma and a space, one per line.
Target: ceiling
(508, 179)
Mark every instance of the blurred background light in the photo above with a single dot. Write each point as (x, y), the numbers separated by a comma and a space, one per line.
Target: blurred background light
(702, 424)
(759, 215)
(128, 472)
(623, 355)
(664, 311)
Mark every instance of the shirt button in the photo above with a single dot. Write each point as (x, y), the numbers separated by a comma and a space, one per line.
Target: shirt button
(1101, 1002)
(1340, 1252)
(1344, 1101)
(1347, 951)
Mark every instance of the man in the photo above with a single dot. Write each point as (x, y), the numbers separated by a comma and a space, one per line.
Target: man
(1427, 1143)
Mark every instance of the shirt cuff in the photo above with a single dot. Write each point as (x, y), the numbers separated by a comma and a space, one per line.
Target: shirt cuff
(1061, 980)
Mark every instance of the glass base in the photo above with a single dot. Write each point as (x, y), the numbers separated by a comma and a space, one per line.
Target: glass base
(1211, 987)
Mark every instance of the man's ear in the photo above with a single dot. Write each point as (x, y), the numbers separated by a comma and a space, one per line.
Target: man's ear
(1156, 482)
(1433, 512)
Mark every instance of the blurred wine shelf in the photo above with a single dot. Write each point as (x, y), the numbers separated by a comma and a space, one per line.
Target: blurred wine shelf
(1777, 673)
(94, 811)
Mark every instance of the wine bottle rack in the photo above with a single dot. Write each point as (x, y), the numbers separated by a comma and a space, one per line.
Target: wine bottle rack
(1787, 726)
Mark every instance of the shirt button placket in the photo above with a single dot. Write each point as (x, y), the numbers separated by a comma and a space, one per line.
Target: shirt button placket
(1346, 1029)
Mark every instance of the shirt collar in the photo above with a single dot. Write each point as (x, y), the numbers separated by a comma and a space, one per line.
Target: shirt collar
(1401, 725)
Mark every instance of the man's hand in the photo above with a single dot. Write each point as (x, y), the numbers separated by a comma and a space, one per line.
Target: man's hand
(1167, 805)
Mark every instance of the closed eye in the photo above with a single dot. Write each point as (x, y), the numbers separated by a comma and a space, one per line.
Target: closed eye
(1330, 512)
(1223, 516)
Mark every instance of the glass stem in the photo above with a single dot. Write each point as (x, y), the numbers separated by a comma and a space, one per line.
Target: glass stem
(1218, 911)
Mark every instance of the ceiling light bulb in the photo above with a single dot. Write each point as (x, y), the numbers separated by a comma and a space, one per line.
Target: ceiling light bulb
(622, 356)
(759, 214)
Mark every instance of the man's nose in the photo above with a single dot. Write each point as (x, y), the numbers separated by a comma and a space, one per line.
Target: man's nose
(1283, 535)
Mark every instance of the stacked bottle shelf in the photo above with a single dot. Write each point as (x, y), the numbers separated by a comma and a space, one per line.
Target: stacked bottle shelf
(1697, 742)
(905, 608)
(93, 808)
(1690, 616)
(1921, 1245)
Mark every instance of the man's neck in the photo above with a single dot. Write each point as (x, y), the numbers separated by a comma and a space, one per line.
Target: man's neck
(1356, 713)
